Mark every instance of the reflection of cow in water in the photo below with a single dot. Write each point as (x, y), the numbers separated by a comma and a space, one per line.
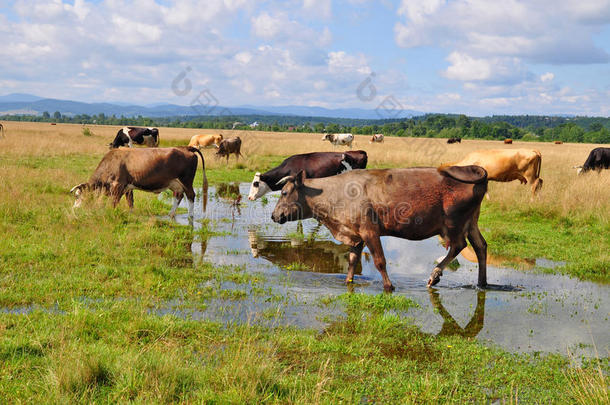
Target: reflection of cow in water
(450, 326)
(320, 256)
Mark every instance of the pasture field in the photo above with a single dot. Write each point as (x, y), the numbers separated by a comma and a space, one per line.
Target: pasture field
(78, 289)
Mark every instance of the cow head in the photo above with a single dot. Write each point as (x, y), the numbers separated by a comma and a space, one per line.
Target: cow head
(579, 169)
(258, 188)
(78, 193)
(292, 205)
(327, 137)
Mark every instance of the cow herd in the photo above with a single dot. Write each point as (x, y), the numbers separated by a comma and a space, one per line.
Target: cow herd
(358, 206)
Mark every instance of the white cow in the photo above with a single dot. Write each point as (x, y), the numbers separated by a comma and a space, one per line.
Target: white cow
(339, 139)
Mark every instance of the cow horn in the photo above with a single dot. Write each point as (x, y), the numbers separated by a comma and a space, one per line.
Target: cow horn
(283, 180)
(79, 187)
(576, 167)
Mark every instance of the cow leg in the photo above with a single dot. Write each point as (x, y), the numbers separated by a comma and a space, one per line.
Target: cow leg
(456, 244)
(129, 198)
(116, 192)
(190, 196)
(355, 252)
(177, 198)
(374, 244)
(480, 248)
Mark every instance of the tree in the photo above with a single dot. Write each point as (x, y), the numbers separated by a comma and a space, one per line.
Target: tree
(46, 115)
(57, 115)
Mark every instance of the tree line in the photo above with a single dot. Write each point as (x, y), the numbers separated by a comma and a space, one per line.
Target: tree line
(527, 128)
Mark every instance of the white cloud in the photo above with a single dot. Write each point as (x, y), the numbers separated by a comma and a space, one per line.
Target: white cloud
(547, 77)
(266, 26)
(341, 62)
(484, 37)
(320, 8)
(467, 68)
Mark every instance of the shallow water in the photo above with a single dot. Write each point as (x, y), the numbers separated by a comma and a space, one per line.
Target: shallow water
(523, 311)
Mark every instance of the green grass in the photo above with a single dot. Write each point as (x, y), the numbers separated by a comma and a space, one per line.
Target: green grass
(120, 352)
(527, 233)
(87, 282)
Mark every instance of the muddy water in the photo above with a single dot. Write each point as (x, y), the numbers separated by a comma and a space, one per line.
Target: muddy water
(524, 310)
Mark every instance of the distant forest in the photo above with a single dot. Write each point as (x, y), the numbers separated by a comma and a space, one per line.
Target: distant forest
(497, 127)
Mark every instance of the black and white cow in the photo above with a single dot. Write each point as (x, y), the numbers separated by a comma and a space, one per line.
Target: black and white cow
(599, 158)
(316, 165)
(130, 135)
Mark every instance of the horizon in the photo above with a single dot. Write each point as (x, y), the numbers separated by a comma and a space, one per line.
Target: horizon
(458, 57)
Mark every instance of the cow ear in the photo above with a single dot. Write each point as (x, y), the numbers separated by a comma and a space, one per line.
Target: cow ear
(300, 178)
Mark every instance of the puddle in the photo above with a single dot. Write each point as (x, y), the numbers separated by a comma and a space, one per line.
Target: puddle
(523, 311)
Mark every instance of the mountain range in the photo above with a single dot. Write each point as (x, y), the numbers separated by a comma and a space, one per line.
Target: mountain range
(19, 103)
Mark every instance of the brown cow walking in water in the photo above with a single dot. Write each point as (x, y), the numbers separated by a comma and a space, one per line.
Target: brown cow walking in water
(360, 206)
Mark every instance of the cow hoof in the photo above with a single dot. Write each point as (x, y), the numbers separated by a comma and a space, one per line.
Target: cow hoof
(389, 288)
(435, 277)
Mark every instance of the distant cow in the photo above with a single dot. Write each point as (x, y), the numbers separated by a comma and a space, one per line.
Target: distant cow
(204, 141)
(379, 138)
(360, 206)
(315, 165)
(507, 165)
(454, 140)
(599, 158)
(130, 135)
(339, 139)
(558, 142)
(123, 170)
(228, 146)
(508, 141)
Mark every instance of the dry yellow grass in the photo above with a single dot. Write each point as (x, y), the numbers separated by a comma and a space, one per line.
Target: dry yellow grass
(563, 192)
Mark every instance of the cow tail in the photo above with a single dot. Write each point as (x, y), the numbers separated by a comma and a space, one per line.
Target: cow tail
(539, 164)
(204, 184)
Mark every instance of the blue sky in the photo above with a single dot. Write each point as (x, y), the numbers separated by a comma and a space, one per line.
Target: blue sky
(477, 57)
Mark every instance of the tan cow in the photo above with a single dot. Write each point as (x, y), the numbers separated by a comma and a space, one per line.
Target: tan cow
(205, 141)
(507, 165)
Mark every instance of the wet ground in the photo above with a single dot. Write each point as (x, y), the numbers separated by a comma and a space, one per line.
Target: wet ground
(303, 268)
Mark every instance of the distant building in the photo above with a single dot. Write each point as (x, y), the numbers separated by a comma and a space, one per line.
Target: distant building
(254, 124)
(291, 128)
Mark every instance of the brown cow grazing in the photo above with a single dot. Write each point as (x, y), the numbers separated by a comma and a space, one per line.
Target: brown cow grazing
(228, 146)
(507, 165)
(558, 142)
(454, 140)
(508, 141)
(377, 138)
(123, 170)
(204, 141)
(359, 206)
